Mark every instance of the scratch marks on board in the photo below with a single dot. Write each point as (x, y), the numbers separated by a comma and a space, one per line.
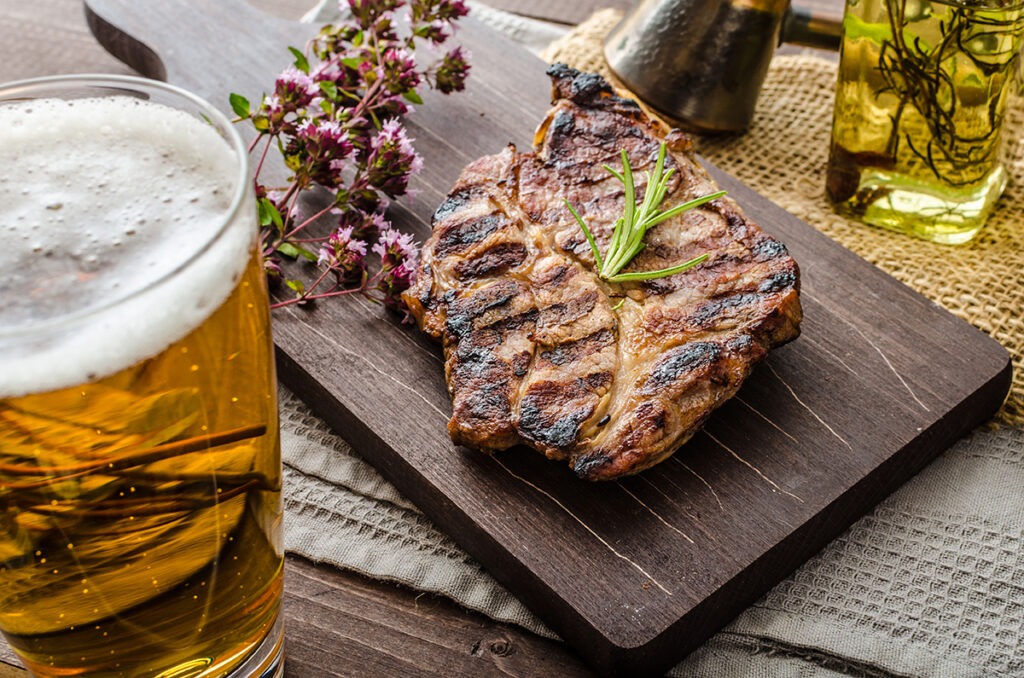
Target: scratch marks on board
(806, 407)
(758, 413)
(833, 354)
(589, 529)
(885, 358)
(889, 364)
(655, 513)
(397, 331)
(696, 520)
(751, 467)
(700, 478)
(364, 360)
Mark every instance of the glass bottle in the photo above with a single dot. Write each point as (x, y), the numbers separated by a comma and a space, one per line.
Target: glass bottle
(917, 133)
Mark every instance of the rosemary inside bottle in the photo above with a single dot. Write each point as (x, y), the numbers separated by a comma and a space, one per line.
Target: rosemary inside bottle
(921, 100)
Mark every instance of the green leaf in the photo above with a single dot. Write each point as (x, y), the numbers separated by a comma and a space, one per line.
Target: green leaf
(412, 97)
(268, 213)
(301, 62)
(649, 275)
(330, 89)
(261, 123)
(679, 209)
(630, 229)
(294, 251)
(586, 232)
(263, 213)
(288, 249)
(296, 285)
(275, 215)
(240, 105)
(351, 62)
(357, 39)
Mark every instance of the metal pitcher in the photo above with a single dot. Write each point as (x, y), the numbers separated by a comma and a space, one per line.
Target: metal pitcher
(702, 62)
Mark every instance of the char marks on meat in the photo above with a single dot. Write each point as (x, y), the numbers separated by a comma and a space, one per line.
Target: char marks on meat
(535, 353)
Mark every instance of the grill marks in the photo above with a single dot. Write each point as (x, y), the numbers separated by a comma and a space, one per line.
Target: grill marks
(572, 351)
(679, 361)
(496, 259)
(534, 353)
(488, 349)
(671, 403)
(457, 237)
(576, 359)
(552, 412)
(511, 318)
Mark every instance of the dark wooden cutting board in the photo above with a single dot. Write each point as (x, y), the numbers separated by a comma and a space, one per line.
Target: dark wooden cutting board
(636, 573)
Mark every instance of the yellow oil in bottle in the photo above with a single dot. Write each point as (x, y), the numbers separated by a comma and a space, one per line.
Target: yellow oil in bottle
(923, 90)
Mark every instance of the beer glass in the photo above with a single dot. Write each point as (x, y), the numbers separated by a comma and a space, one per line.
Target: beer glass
(140, 471)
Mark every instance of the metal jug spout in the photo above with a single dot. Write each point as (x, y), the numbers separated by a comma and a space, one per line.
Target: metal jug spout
(701, 63)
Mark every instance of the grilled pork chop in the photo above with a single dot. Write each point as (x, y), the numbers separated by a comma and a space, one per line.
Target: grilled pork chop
(535, 351)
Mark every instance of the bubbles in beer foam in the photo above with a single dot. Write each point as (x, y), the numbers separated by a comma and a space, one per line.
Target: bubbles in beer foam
(98, 198)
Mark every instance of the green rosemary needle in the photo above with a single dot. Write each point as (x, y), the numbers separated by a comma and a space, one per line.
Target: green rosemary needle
(630, 228)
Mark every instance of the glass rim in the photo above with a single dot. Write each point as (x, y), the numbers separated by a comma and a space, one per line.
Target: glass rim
(126, 83)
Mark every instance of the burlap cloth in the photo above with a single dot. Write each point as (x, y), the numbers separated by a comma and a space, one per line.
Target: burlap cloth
(930, 583)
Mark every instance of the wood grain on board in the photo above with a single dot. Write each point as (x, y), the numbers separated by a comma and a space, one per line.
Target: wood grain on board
(337, 624)
(563, 12)
(634, 573)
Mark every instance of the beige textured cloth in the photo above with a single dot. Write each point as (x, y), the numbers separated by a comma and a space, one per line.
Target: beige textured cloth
(930, 583)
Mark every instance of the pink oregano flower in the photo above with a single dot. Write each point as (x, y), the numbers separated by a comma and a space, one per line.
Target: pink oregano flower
(336, 117)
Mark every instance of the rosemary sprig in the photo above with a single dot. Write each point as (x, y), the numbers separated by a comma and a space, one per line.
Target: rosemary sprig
(630, 228)
(960, 139)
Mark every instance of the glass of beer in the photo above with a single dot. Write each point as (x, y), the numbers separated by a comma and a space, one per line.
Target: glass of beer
(140, 470)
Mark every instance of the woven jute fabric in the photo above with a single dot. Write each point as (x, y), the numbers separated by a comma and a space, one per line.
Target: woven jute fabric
(783, 157)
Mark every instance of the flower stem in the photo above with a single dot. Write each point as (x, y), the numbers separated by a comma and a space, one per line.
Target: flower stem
(263, 156)
(307, 222)
(323, 295)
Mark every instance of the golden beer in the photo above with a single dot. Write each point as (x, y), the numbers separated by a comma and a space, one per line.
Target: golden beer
(140, 502)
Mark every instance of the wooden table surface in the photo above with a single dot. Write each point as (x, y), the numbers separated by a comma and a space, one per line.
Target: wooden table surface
(349, 625)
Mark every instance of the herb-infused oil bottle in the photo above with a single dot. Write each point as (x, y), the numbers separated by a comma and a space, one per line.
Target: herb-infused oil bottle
(917, 132)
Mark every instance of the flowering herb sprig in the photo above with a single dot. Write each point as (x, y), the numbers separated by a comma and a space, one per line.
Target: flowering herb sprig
(630, 228)
(335, 116)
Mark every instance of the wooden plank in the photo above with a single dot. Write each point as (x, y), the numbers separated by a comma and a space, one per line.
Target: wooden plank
(635, 573)
(340, 624)
(564, 12)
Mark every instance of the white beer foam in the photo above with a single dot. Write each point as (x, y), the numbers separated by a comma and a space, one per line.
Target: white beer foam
(102, 200)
